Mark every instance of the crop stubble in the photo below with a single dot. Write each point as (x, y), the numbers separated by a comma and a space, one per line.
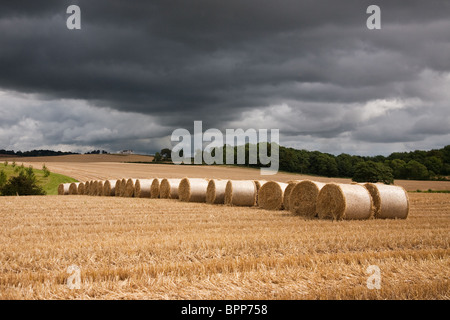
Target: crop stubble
(167, 249)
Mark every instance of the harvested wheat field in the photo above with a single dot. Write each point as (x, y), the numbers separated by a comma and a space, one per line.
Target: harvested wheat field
(137, 248)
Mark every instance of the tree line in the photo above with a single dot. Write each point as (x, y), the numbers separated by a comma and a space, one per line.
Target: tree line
(34, 153)
(415, 165)
(44, 153)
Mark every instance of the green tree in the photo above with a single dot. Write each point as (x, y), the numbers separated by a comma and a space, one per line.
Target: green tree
(303, 161)
(45, 170)
(434, 164)
(446, 169)
(398, 167)
(166, 154)
(19, 169)
(446, 154)
(2, 178)
(30, 173)
(371, 171)
(416, 170)
(325, 165)
(24, 185)
(157, 157)
(345, 165)
(288, 160)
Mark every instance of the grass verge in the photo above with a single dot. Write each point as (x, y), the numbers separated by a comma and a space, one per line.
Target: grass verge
(49, 184)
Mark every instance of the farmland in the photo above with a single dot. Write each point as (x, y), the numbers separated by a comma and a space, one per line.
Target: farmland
(128, 248)
(102, 167)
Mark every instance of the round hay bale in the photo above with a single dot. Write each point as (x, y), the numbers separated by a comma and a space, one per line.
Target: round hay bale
(192, 190)
(63, 189)
(389, 202)
(215, 192)
(168, 188)
(344, 202)
(86, 188)
(118, 187)
(100, 188)
(81, 188)
(240, 193)
(154, 189)
(303, 198)
(259, 184)
(109, 188)
(93, 188)
(271, 195)
(287, 193)
(129, 188)
(73, 188)
(142, 188)
(123, 184)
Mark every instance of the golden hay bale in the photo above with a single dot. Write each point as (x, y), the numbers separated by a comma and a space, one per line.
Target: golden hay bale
(287, 193)
(192, 190)
(81, 188)
(118, 187)
(168, 188)
(240, 193)
(86, 188)
(344, 201)
(154, 189)
(259, 184)
(271, 195)
(215, 192)
(303, 198)
(123, 184)
(63, 189)
(93, 189)
(142, 188)
(109, 188)
(390, 202)
(99, 188)
(129, 188)
(73, 188)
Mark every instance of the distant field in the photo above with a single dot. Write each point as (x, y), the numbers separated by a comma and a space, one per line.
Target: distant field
(102, 167)
(131, 248)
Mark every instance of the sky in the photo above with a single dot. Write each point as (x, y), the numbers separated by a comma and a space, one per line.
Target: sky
(138, 70)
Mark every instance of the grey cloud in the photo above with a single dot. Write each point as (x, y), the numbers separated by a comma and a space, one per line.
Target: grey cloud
(222, 61)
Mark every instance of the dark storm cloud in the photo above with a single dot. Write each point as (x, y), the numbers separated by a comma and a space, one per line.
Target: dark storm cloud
(224, 61)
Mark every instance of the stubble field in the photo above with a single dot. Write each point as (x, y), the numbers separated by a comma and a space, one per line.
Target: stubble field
(129, 248)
